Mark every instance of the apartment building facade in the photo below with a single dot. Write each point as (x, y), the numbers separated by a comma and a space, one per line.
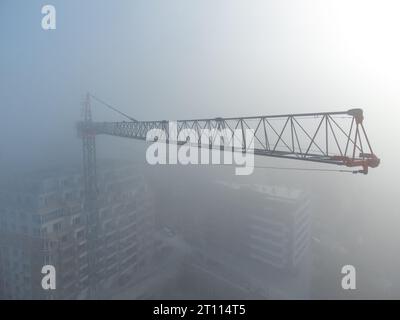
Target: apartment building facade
(252, 240)
(42, 222)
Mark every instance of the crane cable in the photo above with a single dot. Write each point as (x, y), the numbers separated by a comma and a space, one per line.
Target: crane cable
(307, 169)
(296, 168)
(112, 108)
(284, 168)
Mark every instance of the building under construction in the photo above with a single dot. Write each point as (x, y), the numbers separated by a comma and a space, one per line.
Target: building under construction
(43, 223)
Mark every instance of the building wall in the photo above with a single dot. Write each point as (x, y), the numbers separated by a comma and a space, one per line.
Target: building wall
(43, 222)
(254, 238)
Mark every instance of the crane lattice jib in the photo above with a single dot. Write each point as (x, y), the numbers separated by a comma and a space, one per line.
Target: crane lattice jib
(327, 137)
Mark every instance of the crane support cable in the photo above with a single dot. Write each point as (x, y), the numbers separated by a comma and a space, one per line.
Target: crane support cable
(112, 108)
(299, 169)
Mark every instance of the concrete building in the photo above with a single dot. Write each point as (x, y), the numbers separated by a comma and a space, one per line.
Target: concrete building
(279, 232)
(42, 222)
(246, 240)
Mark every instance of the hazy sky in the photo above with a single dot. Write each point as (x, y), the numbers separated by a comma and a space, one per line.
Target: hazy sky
(179, 59)
(182, 59)
(171, 59)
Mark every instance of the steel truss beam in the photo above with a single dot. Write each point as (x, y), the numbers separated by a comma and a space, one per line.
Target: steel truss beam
(328, 137)
(90, 199)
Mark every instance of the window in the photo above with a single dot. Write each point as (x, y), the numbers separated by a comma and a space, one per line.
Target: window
(57, 226)
(43, 231)
(76, 221)
(80, 234)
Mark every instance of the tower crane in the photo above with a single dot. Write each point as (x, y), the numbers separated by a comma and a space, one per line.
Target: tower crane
(335, 138)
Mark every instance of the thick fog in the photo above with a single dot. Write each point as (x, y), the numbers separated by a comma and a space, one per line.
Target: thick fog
(181, 59)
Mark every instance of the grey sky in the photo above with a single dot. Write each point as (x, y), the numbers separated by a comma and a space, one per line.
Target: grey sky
(179, 59)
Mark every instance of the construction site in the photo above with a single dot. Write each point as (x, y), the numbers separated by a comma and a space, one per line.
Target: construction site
(195, 150)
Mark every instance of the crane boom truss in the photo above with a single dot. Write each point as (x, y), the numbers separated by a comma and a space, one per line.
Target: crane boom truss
(327, 137)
